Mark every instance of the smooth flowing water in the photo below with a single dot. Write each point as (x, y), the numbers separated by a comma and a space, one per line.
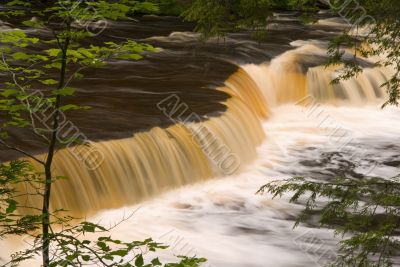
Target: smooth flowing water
(273, 118)
(226, 222)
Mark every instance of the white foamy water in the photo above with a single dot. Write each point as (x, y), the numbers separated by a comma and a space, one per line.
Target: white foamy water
(223, 219)
(226, 222)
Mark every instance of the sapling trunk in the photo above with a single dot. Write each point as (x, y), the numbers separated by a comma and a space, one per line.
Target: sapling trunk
(48, 164)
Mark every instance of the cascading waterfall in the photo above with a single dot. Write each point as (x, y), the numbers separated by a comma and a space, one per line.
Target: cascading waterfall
(285, 80)
(150, 162)
(147, 164)
(242, 86)
(366, 87)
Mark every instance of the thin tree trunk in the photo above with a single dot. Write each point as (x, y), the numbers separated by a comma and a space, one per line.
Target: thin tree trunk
(48, 175)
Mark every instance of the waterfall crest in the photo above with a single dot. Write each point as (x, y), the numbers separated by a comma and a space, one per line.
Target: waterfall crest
(148, 163)
(290, 78)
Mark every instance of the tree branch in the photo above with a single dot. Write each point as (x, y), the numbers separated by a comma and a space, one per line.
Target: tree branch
(22, 152)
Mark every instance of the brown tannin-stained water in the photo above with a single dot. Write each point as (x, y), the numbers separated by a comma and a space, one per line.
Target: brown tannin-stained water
(234, 109)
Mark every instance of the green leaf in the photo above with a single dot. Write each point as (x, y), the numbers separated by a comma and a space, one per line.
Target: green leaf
(53, 52)
(67, 91)
(32, 23)
(85, 52)
(18, 3)
(156, 262)
(20, 56)
(120, 252)
(12, 205)
(89, 227)
(74, 55)
(54, 65)
(61, 178)
(72, 107)
(130, 56)
(139, 262)
(41, 57)
(103, 246)
(78, 76)
(17, 38)
(49, 82)
(147, 7)
(9, 92)
(72, 257)
(85, 257)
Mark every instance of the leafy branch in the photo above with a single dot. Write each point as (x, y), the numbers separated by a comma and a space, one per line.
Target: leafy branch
(368, 210)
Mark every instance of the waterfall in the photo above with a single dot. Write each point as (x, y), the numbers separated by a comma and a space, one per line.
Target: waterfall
(286, 79)
(148, 163)
(365, 87)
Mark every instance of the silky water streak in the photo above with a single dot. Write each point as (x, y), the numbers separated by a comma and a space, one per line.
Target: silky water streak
(148, 163)
(298, 74)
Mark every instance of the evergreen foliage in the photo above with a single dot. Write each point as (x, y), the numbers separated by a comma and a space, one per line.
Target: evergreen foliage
(365, 213)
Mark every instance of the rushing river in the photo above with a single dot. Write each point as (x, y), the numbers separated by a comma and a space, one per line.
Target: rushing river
(270, 106)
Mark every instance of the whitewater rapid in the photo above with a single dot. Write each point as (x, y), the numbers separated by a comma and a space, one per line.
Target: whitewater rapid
(332, 131)
(226, 222)
(223, 219)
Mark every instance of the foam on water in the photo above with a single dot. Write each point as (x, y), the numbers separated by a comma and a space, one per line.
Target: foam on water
(226, 222)
(223, 219)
